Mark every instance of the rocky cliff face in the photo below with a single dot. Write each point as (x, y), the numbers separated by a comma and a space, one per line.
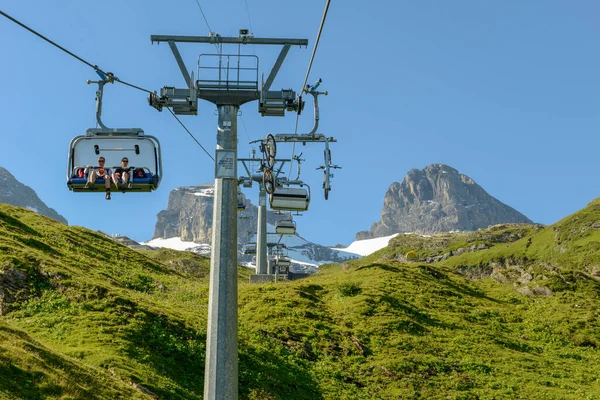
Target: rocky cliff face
(15, 193)
(439, 199)
(189, 216)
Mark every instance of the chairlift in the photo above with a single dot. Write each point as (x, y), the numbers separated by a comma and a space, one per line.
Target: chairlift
(249, 248)
(143, 152)
(285, 227)
(291, 198)
(241, 201)
(283, 261)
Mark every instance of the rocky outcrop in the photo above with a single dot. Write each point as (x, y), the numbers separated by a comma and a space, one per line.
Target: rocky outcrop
(189, 216)
(439, 199)
(15, 193)
(14, 287)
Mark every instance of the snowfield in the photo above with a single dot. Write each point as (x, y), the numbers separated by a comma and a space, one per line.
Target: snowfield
(368, 246)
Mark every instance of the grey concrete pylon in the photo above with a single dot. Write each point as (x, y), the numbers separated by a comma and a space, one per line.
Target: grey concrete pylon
(261, 233)
(221, 371)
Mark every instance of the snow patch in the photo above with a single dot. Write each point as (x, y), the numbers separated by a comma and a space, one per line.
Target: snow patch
(368, 246)
(205, 193)
(174, 243)
(33, 209)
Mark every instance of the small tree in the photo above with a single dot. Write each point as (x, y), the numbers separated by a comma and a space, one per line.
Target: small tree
(411, 255)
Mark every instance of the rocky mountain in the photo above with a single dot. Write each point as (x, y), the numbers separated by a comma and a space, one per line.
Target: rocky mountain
(439, 199)
(15, 193)
(189, 216)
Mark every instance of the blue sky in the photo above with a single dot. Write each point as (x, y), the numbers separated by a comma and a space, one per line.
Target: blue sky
(507, 92)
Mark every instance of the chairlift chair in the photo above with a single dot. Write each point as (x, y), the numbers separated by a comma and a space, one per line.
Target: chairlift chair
(285, 227)
(142, 151)
(283, 261)
(249, 248)
(291, 198)
(241, 201)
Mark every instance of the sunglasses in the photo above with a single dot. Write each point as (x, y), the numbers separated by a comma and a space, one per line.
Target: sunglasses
(100, 161)
(125, 161)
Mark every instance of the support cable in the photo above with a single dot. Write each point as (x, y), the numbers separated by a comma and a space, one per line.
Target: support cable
(249, 20)
(210, 31)
(190, 133)
(204, 16)
(244, 125)
(312, 57)
(110, 76)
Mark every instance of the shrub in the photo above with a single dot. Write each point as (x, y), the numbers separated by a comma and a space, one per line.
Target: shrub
(348, 289)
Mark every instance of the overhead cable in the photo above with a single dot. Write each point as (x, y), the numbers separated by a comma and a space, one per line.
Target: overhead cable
(190, 133)
(109, 75)
(312, 57)
(249, 20)
(210, 31)
(95, 67)
(204, 16)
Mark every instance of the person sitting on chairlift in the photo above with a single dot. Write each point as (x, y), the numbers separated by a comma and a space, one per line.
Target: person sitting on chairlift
(122, 173)
(139, 173)
(99, 172)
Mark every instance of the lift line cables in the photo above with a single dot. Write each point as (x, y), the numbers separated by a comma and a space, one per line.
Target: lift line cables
(249, 20)
(210, 31)
(110, 76)
(190, 133)
(312, 57)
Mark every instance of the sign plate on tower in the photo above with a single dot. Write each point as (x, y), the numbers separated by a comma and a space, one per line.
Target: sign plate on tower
(225, 164)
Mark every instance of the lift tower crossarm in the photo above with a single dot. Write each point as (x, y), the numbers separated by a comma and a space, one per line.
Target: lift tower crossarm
(228, 40)
(275, 70)
(180, 62)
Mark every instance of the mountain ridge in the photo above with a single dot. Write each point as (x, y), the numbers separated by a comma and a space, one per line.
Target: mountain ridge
(17, 194)
(438, 199)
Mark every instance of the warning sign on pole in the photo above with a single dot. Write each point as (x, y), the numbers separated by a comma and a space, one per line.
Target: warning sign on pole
(225, 164)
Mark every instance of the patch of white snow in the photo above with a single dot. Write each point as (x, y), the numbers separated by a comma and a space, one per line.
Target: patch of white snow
(368, 246)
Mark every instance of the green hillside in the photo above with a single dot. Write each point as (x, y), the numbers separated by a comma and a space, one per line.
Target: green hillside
(508, 312)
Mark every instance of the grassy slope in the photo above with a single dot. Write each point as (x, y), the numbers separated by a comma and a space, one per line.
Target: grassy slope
(103, 319)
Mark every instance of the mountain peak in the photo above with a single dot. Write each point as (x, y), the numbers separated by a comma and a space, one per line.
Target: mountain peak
(439, 199)
(17, 194)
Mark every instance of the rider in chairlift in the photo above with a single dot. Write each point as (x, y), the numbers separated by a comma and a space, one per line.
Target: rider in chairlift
(99, 172)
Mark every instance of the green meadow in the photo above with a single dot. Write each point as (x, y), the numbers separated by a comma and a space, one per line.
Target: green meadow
(510, 312)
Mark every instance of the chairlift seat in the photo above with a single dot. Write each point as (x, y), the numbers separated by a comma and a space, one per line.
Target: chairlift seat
(147, 183)
(241, 201)
(142, 151)
(282, 261)
(293, 199)
(249, 248)
(285, 227)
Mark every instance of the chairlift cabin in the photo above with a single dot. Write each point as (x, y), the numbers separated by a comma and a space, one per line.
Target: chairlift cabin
(290, 198)
(285, 227)
(241, 201)
(282, 261)
(249, 248)
(143, 152)
(144, 165)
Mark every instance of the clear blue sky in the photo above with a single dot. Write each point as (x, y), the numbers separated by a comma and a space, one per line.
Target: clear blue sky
(507, 92)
